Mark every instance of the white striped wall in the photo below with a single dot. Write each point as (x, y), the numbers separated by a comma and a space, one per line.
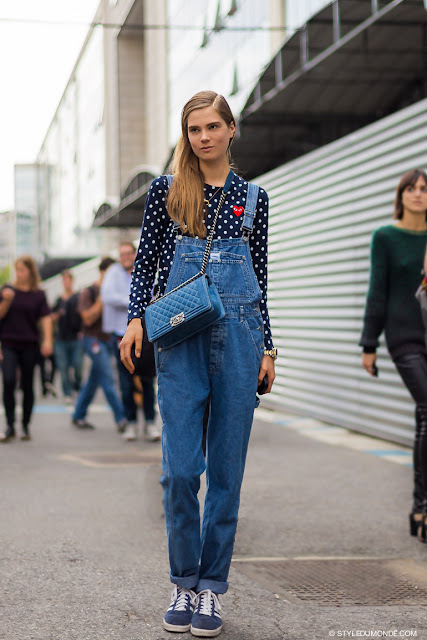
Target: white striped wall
(324, 207)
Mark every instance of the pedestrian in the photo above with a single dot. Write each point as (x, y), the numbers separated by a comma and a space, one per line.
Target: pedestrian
(145, 397)
(115, 299)
(397, 255)
(98, 346)
(68, 346)
(224, 362)
(47, 374)
(23, 307)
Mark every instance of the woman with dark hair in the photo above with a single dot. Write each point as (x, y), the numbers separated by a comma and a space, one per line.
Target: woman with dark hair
(397, 257)
(23, 309)
(223, 363)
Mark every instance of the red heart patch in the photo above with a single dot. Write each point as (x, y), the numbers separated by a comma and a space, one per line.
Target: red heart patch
(237, 210)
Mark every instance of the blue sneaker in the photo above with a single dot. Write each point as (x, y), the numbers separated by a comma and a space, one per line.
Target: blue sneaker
(178, 616)
(206, 621)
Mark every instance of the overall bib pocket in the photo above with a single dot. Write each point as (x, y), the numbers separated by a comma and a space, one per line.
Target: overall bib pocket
(188, 265)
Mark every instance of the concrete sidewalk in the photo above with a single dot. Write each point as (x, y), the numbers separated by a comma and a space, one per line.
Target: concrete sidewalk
(83, 546)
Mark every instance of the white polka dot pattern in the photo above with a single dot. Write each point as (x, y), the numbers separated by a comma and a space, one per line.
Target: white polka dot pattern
(157, 243)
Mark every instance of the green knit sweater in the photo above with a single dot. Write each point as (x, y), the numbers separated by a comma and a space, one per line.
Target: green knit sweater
(397, 257)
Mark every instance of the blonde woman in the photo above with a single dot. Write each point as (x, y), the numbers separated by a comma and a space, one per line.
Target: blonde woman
(222, 364)
(23, 310)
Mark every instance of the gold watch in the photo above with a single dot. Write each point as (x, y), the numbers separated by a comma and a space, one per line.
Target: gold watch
(271, 352)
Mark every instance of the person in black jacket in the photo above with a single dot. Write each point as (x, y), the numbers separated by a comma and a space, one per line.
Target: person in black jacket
(68, 344)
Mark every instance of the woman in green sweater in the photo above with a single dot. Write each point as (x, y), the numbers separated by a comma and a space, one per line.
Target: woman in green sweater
(397, 257)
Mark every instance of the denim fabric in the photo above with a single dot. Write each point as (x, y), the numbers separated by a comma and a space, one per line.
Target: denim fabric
(126, 383)
(101, 374)
(221, 362)
(69, 355)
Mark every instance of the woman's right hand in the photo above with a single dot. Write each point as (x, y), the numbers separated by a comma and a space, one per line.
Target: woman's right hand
(368, 362)
(133, 336)
(8, 294)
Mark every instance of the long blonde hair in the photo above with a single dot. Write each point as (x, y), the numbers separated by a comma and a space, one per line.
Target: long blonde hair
(186, 197)
(29, 262)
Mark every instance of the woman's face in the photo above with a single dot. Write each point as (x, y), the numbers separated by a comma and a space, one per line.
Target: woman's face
(414, 198)
(67, 281)
(23, 274)
(209, 134)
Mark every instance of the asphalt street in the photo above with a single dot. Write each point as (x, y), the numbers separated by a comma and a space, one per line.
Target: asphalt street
(83, 545)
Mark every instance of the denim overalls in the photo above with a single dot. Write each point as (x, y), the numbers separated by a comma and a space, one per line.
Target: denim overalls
(221, 362)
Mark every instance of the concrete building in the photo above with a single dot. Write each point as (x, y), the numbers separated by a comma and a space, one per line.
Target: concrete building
(31, 187)
(108, 126)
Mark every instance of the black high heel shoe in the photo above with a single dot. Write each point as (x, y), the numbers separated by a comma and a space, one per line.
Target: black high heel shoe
(417, 525)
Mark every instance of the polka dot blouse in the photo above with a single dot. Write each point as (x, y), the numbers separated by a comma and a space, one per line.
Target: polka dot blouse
(157, 244)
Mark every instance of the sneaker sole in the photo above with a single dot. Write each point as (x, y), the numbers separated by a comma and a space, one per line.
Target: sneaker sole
(205, 633)
(175, 627)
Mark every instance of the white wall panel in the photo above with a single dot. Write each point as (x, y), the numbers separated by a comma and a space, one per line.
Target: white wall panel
(324, 207)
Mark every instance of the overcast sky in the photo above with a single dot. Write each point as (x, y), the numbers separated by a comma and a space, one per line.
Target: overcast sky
(35, 63)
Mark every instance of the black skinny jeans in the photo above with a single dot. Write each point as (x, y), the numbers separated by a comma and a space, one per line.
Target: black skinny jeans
(25, 360)
(412, 368)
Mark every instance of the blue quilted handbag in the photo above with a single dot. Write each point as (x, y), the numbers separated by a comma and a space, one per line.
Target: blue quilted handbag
(190, 307)
(184, 311)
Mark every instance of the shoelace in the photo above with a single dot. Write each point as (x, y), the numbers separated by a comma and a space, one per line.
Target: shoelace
(207, 602)
(181, 598)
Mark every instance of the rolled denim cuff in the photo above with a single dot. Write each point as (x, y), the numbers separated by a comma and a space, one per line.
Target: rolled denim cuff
(189, 582)
(213, 585)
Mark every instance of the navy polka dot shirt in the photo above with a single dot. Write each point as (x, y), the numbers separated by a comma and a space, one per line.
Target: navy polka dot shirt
(157, 244)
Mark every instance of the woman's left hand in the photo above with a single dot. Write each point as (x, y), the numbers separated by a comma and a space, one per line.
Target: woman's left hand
(267, 369)
(46, 348)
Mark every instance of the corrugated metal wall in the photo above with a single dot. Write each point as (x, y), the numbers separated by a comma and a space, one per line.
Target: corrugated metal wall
(324, 207)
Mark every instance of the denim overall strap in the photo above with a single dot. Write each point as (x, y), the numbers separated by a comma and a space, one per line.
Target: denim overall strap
(249, 213)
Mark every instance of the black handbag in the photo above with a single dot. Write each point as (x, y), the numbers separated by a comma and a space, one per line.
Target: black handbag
(192, 306)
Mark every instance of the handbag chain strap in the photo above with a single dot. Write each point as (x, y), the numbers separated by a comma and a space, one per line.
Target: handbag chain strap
(211, 235)
(208, 243)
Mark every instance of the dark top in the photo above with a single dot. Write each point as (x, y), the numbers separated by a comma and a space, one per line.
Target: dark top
(397, 257)
(19, 328)
(69, 321)
(87, 299)
(157, 244)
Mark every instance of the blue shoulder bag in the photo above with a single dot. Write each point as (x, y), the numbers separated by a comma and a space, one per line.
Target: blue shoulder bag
(192, 306)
